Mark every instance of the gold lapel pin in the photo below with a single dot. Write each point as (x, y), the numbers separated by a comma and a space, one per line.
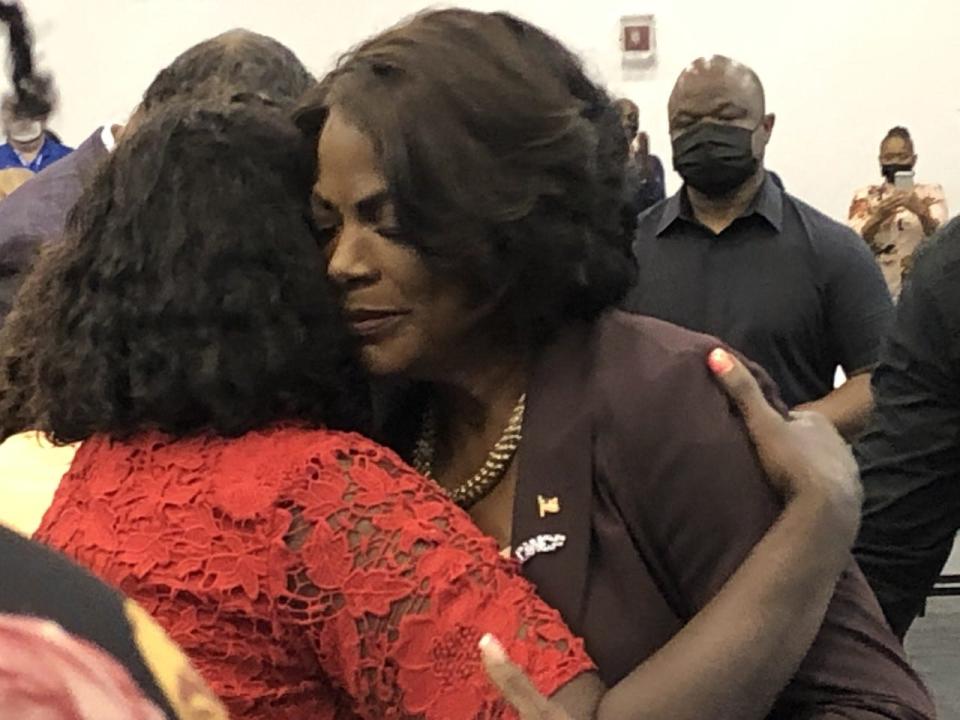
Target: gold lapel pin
(548, 506)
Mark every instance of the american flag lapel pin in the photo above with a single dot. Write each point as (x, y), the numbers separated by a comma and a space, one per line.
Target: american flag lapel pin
(548, 505)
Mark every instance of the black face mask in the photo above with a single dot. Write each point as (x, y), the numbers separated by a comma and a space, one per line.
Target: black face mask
(715, 159)
(890, 171)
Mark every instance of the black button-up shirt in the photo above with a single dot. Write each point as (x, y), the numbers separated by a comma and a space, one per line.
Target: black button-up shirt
(784, 284)
(910, 454)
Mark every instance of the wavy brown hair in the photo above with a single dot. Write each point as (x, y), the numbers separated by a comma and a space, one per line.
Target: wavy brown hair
(504, 159)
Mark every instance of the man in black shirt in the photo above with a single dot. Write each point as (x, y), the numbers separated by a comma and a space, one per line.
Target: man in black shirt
(735, 256)
(910, 455)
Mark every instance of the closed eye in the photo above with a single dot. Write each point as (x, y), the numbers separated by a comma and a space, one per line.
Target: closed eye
(390, 233)
(682, 121)
(324, 220)
(324, 234)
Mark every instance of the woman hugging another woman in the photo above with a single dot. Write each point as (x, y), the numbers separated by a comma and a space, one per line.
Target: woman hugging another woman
(185, 333)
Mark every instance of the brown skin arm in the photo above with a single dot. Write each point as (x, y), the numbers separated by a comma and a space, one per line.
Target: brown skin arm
(848, 407)
(921, 208)
(736, 655)
(909, 201)
(872, 227)
(880, 215)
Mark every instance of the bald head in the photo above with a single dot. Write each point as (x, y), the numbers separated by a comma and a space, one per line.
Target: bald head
(719, 128)
(718, 89)
(238, 38)
(237, 62)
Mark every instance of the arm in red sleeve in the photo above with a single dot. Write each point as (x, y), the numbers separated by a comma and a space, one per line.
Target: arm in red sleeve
(394, 586)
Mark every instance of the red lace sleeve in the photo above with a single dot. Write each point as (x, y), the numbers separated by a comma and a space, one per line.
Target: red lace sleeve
(394, 586)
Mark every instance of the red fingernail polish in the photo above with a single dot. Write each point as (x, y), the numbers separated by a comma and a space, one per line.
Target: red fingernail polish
(720, 361)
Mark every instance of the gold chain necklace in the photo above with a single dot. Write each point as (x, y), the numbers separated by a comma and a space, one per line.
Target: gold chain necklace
(494, 468)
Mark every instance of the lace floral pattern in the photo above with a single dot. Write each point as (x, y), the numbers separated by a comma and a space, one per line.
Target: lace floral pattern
(307, 574)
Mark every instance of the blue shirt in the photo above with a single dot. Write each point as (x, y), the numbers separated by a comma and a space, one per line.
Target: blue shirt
(50, 152)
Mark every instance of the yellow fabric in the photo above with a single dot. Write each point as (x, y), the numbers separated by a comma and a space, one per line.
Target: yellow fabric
(187, 694)
(30, 472)
(11, 179)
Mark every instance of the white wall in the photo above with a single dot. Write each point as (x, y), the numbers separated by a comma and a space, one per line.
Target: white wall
(838, 73)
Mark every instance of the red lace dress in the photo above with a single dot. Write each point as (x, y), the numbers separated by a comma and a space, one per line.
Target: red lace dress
(307, 574)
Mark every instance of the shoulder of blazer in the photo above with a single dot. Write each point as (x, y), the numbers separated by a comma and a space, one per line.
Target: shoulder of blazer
(620, 390)
(643, 365)
(625, 371)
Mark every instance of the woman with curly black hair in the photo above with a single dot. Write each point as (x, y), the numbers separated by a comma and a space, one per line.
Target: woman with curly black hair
(469, 196)
(184, 335)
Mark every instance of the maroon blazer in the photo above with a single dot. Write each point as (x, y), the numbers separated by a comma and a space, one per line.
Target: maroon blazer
(659, 498)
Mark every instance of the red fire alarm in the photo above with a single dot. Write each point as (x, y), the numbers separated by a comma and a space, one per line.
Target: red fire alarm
(638, 38)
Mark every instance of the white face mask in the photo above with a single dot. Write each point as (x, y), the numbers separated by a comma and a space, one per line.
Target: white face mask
(24, 131)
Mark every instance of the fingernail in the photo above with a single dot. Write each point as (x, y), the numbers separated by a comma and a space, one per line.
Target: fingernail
(492, 648)
(720, 361)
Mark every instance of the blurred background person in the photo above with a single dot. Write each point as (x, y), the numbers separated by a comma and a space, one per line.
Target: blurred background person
(23, 114)
(25, 111)
(644, 180)
(29, 144)
(896, 215)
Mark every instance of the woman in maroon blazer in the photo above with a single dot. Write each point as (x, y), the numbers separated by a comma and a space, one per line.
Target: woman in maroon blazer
(197, 487)
(469, 198)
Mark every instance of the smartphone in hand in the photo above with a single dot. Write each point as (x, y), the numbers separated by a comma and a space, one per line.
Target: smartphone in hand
(903, 180)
